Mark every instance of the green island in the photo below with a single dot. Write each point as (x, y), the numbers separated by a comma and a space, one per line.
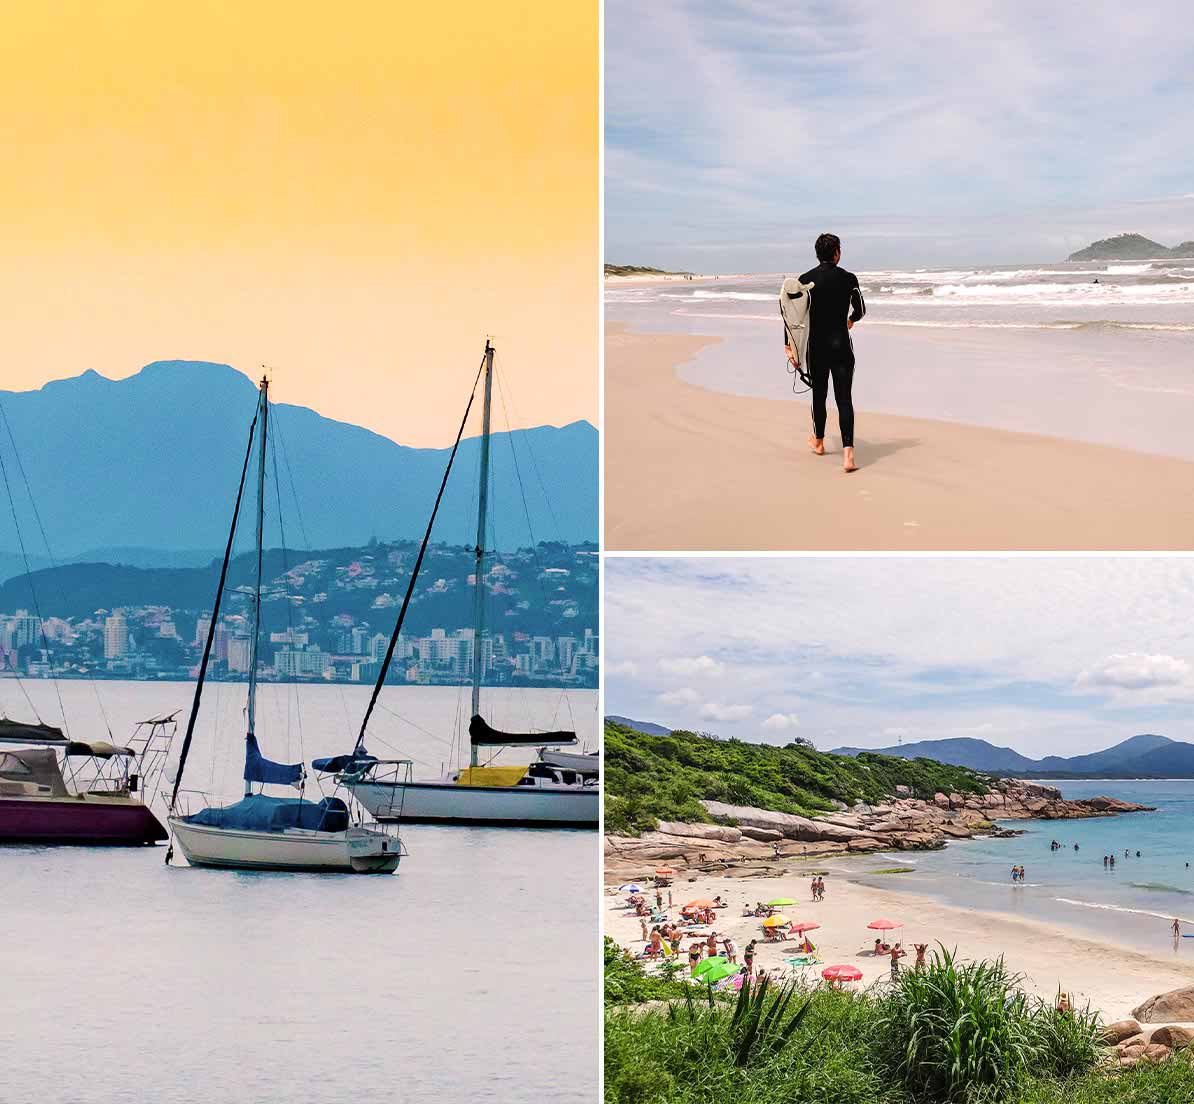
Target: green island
(652, 778)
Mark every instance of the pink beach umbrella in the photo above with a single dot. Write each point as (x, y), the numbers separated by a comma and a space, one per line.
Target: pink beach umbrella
(842, 973)
(883, 924)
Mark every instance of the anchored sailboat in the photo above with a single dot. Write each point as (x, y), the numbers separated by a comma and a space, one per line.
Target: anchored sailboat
(262, 832)
(557, 790)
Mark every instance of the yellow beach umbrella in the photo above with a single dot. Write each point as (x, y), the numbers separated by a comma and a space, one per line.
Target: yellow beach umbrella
(775, 921)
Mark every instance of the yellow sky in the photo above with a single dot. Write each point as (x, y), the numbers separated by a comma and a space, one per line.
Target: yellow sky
(354, 193)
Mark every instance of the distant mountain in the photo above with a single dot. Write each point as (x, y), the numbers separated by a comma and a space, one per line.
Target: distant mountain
(1130, 247)
(640, 726)
(150, 464)
(640, 270)
(1145, 756)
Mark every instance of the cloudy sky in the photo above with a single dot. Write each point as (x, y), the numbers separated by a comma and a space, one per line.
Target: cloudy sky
(923, 133)
(1044, 655)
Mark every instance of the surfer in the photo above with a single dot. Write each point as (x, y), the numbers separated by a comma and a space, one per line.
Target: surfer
(1177, 928)
(836, 305)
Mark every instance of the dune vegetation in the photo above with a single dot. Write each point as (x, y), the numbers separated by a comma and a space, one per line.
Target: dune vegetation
(951, 1033)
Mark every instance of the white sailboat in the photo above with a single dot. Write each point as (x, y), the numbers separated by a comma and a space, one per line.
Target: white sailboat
(557, 790)
(262, 832)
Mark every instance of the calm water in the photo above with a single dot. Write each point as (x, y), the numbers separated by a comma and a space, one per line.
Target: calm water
(1039, 349)
(1133, 904)
(470, 974)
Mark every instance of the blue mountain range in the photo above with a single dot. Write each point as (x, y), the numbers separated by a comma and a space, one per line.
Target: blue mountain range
(143, 470)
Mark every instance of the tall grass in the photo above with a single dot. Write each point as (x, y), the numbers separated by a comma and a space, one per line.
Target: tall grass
(965, 1031)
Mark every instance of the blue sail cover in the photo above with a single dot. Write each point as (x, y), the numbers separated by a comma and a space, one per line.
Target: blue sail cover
(333, 764)
(260, 769)
(260, 813)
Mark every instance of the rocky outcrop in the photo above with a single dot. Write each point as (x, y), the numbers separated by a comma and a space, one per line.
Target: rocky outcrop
(1120, 1032)
(1176, 1005)
(1173, 1036)
(904, 823)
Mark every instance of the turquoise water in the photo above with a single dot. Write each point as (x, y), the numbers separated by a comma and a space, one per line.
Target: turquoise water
(1134, 904)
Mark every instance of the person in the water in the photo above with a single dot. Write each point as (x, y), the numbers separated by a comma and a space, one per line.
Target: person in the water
(835, 306)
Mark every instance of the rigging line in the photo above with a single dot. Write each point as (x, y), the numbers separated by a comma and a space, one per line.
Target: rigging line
(36, 607)
(290, 476)
(16, 452)
(408, 721)
(21, 685)
(215, 614)
(298, 713)
(534, 462)
(385, 665)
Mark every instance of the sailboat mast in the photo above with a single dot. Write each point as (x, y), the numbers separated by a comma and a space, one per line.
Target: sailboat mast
(256, 637)
(482, 510)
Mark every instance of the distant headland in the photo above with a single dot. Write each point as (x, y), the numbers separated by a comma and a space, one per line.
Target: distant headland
(1131, 247)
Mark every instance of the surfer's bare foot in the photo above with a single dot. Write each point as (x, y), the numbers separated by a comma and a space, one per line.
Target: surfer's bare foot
(848, 461)
(817, 445)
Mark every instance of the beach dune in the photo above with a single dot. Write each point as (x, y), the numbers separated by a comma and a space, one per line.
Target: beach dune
(690, 469)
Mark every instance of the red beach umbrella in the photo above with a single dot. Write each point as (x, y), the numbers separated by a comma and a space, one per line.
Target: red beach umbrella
(885, 925)
(702, 903)
(803, 926)
(842, 973)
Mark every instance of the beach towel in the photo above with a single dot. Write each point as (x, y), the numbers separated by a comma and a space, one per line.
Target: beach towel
(795, 301)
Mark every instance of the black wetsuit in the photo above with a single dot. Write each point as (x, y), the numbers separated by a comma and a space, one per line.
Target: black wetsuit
(830, 351)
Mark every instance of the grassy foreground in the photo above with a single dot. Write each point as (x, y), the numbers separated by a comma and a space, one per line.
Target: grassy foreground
(954, 1033)
(653, 778)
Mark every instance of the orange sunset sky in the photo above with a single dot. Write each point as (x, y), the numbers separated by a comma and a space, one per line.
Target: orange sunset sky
(355, 194)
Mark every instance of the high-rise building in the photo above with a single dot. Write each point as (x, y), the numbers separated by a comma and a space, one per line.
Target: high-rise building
(238, 654)
(116, 636)
(202, 628)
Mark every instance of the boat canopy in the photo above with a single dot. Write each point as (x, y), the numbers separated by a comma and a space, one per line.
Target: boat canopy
(37, 767)
(483, 736)
(101, 749)
(573, 761)
(18, 732)
(260, 813)
(335, 764)
(260, 769)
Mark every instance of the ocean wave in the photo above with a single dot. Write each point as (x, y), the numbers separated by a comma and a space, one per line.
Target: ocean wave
(1128, 269)
(1103, 907)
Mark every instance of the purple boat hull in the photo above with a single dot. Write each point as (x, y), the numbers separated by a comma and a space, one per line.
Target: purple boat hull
(75, 821)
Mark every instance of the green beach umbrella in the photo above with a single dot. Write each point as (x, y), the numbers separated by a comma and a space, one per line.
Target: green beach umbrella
(709, 964)
(779, 902)
(712, 976)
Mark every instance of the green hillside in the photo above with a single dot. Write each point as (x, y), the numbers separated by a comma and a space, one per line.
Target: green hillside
(640, 270)
(653, 778)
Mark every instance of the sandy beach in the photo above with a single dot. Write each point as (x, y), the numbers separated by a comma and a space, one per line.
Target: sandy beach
(1113, 979)
(690, 469)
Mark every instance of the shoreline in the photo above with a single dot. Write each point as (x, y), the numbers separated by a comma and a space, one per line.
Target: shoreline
(1112, 978)
(689, 468)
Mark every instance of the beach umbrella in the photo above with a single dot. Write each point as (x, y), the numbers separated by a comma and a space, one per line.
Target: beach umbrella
(665, 870)
(777, 902)
(717, 973)
(842, 973)
(710, 963)
(883, 924)
(776, 921)
(630, 887)
(702, 903)
(804, 926)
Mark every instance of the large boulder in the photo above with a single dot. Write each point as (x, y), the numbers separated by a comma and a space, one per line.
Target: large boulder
(1120, 1031)
(718, 832)
(763, 835)
(788, 824)
(1176, 1005)
(1173, 1036)
(1155, 1052)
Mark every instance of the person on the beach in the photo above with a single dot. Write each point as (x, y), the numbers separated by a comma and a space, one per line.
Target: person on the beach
(731, 949)
(711, 944)
(694, 958)
(748, 958)
(878, 946)
(835, 306)
(1177, 928)
(643, 922)
(919, 964)
(897, 952)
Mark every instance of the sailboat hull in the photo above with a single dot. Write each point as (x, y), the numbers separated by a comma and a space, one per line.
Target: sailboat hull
(499, 806)
(88, 821)
(357, 851)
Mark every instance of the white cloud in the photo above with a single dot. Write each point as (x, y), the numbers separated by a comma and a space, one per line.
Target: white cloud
(626, 667)
(712, 711)
(692, 665)
(685, 696)
(1137, 671)
(780, 722)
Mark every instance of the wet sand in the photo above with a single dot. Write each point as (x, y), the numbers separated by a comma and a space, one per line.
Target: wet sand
(687, 469)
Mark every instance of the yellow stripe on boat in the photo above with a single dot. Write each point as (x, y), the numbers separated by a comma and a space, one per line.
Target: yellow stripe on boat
(491, 776)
